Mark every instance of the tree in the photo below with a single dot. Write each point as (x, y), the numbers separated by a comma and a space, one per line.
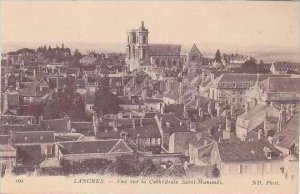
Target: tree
(249, 66)
(215, 172)
(77, 109)
(35, 109)
(218, 58)
(105, 101)
(52, 110)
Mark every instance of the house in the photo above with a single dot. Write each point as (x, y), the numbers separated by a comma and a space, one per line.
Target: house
(179, 142)
(231, 88)
(169, 124)
(87, 60)
(200, 148)
(132, 103)
(76, 151)
(8, 153)
(291, 166)
(280, 90)
(247, 158)
(33, 91)
(142, 133)
(251, 119)
(89, 103)
(285, 67)
(57, 125)
(21, 120)
(10, 100)
(153, 104)
(83, 127)
(287, 140)
(32, 146)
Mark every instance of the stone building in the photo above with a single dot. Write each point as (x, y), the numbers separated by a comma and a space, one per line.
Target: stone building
(139, 53)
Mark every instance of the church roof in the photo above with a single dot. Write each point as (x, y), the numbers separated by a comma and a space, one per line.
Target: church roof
(195, 49)
(164, 49)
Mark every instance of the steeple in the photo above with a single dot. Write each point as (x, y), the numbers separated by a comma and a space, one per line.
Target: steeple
(142, 27)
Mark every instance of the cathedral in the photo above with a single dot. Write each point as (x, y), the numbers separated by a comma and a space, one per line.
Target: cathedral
(141, 54)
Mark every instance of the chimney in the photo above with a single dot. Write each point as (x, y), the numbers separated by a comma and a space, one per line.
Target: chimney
(6, 81)
(259, 133)
(292, 110)
(133, 123)
(228, 124)
(180, 88)
(200, 112)
(141, 121)
(247, 108)
(282, 118)
(197, 103)
(137, 138)
(265, 126)
(209, 108)
(162, 108)
(17, 85)
(219, 111)
(115, 125)
(144, 94)
(232, 111)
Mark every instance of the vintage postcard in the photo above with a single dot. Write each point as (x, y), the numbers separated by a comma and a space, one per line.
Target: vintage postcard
(149, 97)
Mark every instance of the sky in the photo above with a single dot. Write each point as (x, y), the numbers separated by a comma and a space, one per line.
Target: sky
(231, 23)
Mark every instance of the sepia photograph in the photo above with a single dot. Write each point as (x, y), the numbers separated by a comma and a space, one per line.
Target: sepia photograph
(150, 97)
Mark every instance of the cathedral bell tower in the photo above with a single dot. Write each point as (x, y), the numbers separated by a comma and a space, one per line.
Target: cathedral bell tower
(137, 50)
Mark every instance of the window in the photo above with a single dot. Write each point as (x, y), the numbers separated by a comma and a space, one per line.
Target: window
(233, 100)
(152, 141)
(49, 150)
(158, 141)
(144, 39)
(147, 141)
(41, 138)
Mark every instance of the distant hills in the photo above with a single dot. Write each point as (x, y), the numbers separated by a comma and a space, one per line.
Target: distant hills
(265, 53)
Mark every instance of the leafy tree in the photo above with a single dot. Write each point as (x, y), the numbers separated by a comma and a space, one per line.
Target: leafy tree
(249, 66)
(215, 171)
(218, 58)
(124, 166)
(52, 110)
(77, 109)
(105, 101)
(35, 109)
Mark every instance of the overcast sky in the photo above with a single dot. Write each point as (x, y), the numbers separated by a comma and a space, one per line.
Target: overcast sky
(246, 23)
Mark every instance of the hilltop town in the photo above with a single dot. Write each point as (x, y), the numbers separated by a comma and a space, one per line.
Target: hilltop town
(150, 111)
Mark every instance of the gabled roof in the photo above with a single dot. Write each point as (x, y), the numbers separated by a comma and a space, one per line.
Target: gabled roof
(290, 133)
(12, 119)
(94, 147)
(85, 128)
(283, 84)
(31, 137)
(238, 151)
(6, 129)
(164, 49)
(285, 66)
(171, 124)
(195, 49)
(56, 125)
(148, 129)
